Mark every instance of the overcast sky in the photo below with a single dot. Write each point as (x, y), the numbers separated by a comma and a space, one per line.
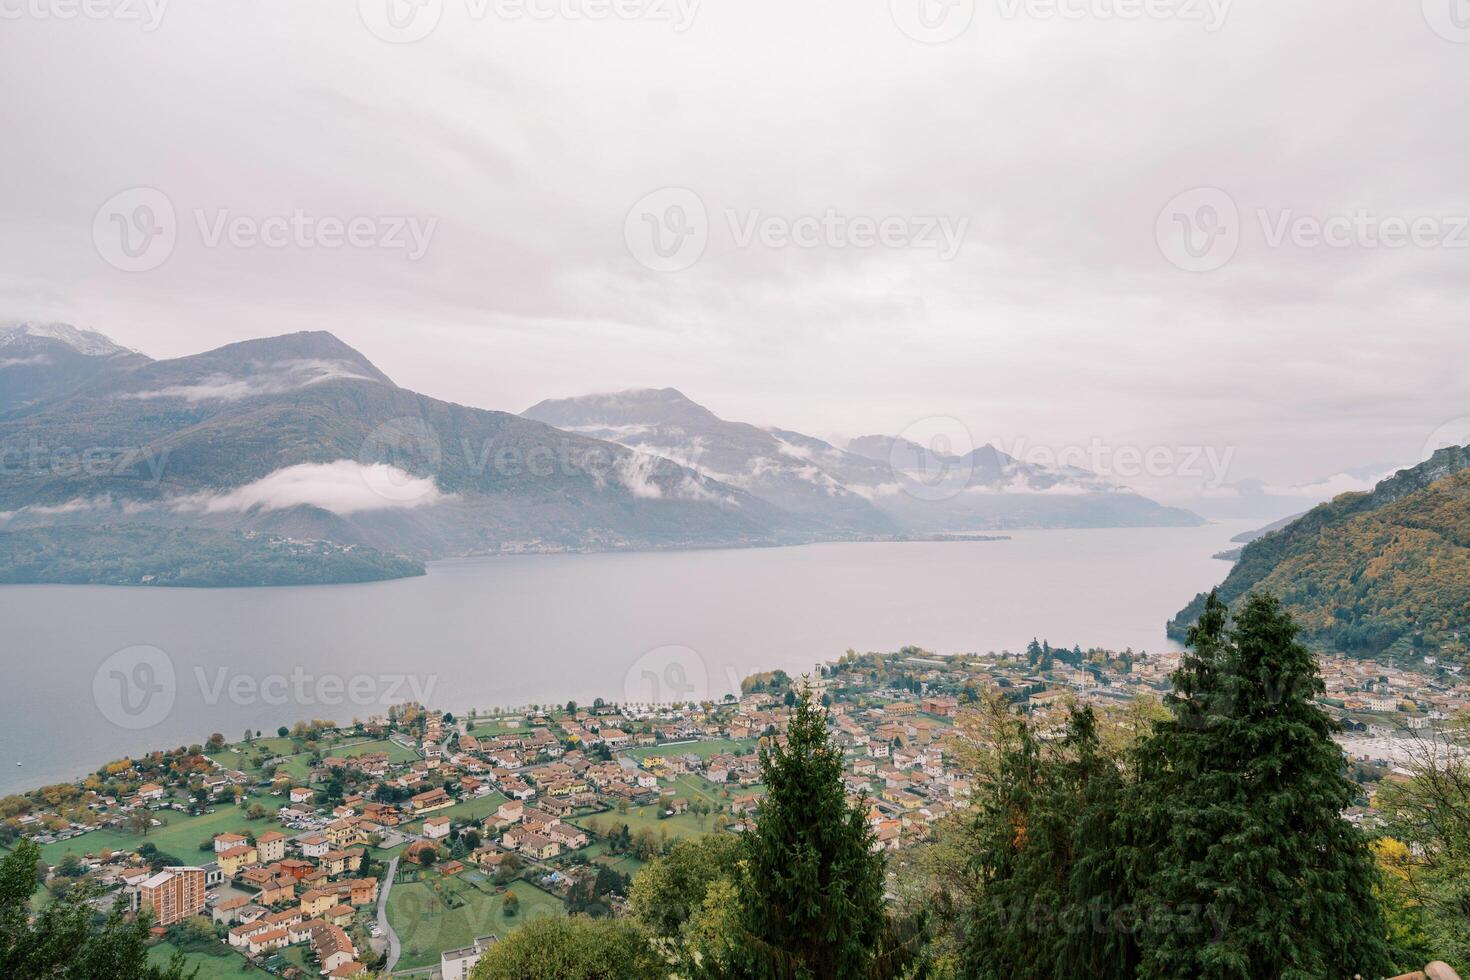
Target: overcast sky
(1034, 280)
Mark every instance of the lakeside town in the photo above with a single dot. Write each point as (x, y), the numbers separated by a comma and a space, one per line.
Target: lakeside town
(407, 844)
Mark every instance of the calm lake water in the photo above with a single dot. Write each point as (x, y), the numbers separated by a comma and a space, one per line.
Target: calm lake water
(94, 673)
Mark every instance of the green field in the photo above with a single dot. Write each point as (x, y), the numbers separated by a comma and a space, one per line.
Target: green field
(483, 727)
(298, 763)
(397, 754)
(230, 966)
(627, 864)
(439, 913)
(180, 836)
(683, 824)
(238, 756)
(646, 818)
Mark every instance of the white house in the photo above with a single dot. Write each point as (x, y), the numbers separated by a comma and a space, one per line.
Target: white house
(456, 964)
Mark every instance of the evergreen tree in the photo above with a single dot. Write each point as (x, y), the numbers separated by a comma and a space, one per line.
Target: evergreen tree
(1046, 861)
(65, 939)
(811, 895)
(1247, 867)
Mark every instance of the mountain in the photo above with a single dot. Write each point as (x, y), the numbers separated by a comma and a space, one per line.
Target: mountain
(877, 485)
(791, 471)
(45, 360)
(1246, 537)
(1384, 573)
(302, 437)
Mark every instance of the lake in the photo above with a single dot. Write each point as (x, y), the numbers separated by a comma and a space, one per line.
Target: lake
(95, 673)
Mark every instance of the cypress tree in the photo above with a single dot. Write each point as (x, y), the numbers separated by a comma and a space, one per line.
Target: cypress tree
(1247, 866)
(811, 896)
(1047, 863)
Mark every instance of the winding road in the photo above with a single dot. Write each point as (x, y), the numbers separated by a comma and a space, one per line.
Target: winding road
(394, 949)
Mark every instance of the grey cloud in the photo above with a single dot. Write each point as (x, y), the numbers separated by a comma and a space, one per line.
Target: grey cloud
(1060, 141)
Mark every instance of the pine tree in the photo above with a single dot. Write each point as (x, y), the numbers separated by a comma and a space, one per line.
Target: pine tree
(1247, 866)
(1046, 859)
(64, 939)
(811, 896)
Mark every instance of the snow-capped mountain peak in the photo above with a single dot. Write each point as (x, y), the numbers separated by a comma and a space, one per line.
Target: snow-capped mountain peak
(88, 342)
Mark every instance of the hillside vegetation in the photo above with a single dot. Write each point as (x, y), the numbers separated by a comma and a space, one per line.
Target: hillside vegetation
(1381, 574)
(193, 557)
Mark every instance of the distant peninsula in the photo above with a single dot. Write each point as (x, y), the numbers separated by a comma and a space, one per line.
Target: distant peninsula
(187, 558)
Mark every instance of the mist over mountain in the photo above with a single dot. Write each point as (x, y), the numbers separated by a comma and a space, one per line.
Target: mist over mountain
(302, 436)
(876, 483)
